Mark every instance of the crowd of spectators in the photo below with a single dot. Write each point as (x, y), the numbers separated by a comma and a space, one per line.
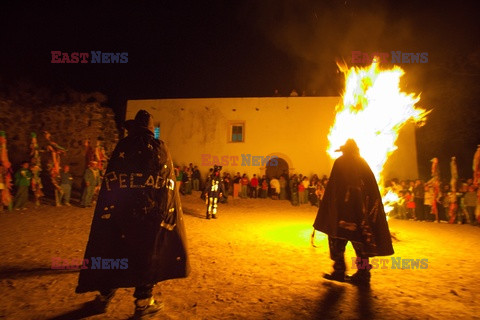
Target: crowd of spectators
(424, 201)
(417, 200)
(298, 189)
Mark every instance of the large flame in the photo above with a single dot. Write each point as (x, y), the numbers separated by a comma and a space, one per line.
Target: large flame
(372, 112)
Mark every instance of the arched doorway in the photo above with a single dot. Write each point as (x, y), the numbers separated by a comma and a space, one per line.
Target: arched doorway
(275, 167)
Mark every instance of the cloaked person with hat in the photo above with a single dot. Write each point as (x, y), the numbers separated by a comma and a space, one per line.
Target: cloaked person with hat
(137, 237)
(352, 210)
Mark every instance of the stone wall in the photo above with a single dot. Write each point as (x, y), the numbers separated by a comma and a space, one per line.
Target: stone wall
(69, 124)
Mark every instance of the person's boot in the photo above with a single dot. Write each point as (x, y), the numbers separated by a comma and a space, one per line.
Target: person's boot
(214, 216)
(335, 276)
(146, 307)
(101, 302)
(359, 278)
(208, 216)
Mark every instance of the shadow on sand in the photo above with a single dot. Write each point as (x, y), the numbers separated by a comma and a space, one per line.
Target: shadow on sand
(327, 307)
(193, 212)
(84, 311)
(364, 303)
(89, 309)
(16, 272)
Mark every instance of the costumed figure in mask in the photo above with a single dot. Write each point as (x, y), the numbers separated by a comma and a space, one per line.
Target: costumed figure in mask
(434, 182)
(352, 210)
(453, 208)
(89, 153)
(36, 168)
(100, 156)
(213, 191)
(138, 222)
(476, 180)
(55, 151)
(6, 198)
(476, 167)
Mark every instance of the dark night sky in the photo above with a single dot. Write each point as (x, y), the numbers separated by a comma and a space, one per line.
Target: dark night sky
(249, 48)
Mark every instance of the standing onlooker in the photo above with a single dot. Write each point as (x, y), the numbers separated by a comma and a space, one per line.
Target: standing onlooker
(301, 192)
(444, 201)
(264, 187)
(287, 183)
(275, 188)
(226, 185)
(22, 182)
(236, 185)
(187, 180)
(91, 179)
(196, 178)
(283, 188)
(306, 184)
(294, 190)
(179, 178)
(419, 198)
(66, 182)
(462, 214)
(244, 183)
(427, 201)
(470, 201)
(410, 205)
(400, 208)
(254, 186)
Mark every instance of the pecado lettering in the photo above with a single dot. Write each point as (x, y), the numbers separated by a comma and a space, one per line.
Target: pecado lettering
(134, 180)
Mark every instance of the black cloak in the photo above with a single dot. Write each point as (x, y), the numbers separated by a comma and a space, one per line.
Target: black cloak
(137, 235)
(352, 207)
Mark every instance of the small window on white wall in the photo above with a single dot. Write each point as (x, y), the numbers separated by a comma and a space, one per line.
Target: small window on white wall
(237, 132)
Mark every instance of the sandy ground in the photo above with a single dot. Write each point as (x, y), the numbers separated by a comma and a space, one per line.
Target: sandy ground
(254, 262)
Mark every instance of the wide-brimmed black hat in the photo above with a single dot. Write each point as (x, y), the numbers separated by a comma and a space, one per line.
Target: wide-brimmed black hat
(350, 146)
(142, 118)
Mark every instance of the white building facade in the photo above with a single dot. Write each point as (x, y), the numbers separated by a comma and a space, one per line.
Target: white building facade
(259, 135)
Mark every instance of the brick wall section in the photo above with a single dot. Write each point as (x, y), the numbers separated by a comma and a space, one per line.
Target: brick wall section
(69, 124)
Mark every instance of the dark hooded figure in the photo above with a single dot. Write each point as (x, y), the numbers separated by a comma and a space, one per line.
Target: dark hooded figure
(137, 237)
(352, 210)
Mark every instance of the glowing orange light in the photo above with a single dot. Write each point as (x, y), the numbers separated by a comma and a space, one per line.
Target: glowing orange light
(372, 111)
